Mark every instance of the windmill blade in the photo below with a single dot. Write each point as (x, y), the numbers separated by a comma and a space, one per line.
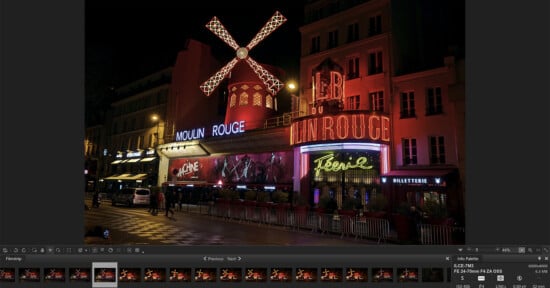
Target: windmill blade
(209, 85)
(217, 28)
(276, 20)
(270, 81)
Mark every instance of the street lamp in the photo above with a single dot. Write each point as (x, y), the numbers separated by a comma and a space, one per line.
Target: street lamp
(292, 87)
(156, 119)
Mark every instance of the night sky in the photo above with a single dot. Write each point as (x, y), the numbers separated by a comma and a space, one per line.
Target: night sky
(125, 42)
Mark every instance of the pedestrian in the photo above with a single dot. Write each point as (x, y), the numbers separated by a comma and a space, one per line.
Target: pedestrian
(169, 200)
(161, 200)
(95, 200)
(153, 203)
(180, 200)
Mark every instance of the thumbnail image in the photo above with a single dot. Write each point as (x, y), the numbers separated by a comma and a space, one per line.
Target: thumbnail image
(79, 274)
(231, 274)
(154, 275)
(104, 274)
(382, 274)
(205, 274)
(54, 274)
(256, 274)
(407, 274)
(281, 274)
(7, 274)
(357, 274)
(129, 274)
(180, 275)
(432, 274)
(29, 274)
(306, 274)
(331, 274)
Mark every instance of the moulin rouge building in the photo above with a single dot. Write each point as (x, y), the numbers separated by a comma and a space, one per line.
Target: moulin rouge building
(368, 123)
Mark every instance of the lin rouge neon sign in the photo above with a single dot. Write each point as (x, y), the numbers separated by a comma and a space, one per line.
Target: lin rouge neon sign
(358, 126)
(327, 163)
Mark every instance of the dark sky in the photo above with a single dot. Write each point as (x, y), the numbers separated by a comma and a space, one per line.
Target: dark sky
(129, 40)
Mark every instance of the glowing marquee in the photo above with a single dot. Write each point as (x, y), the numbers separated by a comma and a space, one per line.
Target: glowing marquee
(360, 126)
(236, 127)
(328, 164)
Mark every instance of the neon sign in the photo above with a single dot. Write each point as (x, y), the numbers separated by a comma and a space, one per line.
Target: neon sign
(236, 127)
(328, 164)
(410, 180)
(358, 126)
(188, 168)
(134, 154)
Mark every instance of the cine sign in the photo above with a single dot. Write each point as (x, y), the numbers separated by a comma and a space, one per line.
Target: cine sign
(359, 126)
(236, 127)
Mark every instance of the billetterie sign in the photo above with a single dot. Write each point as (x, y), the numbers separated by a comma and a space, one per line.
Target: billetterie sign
(217, 130)
(358, 126)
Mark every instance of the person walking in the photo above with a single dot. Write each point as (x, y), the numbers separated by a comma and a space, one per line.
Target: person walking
(169, 200)
(153, 203)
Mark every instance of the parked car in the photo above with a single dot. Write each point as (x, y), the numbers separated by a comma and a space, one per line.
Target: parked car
(131, 196)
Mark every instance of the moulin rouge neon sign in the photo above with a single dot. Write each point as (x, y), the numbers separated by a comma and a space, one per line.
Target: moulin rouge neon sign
(328, 164)
(236, 127)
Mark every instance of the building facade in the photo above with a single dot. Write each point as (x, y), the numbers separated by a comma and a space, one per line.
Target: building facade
(376, 124)
(136, 126)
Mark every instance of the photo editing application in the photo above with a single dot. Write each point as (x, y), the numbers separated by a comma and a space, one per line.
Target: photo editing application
(304, 143)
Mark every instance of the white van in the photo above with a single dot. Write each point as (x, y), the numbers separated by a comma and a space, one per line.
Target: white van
(132, 196)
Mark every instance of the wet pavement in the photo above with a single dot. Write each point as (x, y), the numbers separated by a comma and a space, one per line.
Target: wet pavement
(135, 225)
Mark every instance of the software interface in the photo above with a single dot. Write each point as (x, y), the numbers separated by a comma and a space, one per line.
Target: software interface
(300, 144)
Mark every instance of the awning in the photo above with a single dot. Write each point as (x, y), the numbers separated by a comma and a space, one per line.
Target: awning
(419, 173)
(116, 161)
(129, 177)
(134, 160)
(137, 177)
(118, 177)
(148, 159)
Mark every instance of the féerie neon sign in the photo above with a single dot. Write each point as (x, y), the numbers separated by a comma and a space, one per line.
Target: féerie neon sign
(328, 164)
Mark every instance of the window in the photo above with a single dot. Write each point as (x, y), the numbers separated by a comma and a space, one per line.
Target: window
(243, 100)
(353, 102)
(269, 101)
(353, 32)
(332, 39)
(433, 101)
(375, 25)
(233, 100)
(437, 150)
(257, 99)
(315, 44)
(353, 67)
(407, 104)
(409, 151)
(377, 101)
(375, 63)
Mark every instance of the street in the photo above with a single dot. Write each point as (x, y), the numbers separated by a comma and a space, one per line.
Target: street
(135, 225)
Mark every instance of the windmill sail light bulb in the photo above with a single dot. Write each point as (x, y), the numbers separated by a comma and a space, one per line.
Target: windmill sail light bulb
(242, 53)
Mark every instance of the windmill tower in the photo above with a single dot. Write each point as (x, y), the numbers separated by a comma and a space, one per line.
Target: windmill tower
(252, 93)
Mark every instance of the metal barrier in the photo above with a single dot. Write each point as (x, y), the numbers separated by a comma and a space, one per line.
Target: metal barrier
(376, 228)
(438, 234)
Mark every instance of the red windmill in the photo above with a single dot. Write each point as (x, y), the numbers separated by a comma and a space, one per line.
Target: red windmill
(244, 82)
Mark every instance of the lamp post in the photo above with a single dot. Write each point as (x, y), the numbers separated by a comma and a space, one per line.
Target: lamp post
(295, 98)
(156, 119)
